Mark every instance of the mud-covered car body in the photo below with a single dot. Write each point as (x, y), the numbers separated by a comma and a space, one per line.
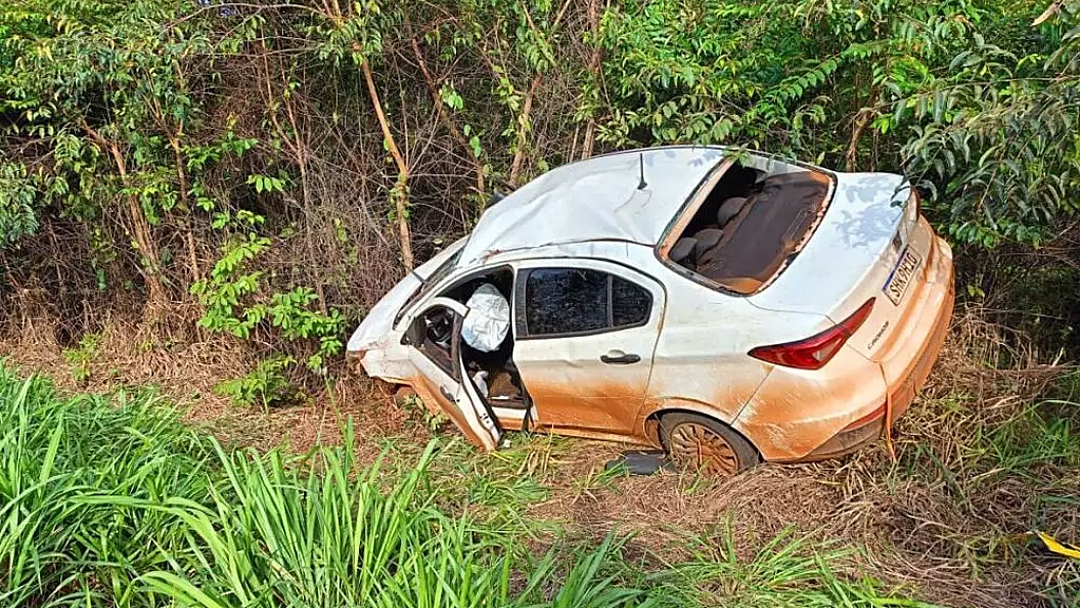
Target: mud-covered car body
(790, 307)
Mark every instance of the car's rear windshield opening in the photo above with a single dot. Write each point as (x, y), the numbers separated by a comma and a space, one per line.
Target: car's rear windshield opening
(749, 225)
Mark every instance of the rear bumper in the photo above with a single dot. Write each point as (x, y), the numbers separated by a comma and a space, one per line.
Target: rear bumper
(907, 385)
(920, 354)
(796, 416)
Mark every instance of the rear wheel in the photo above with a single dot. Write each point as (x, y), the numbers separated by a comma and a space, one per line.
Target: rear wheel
(701, 444)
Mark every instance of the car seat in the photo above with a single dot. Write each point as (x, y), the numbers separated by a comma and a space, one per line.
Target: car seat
(707, 238)
(683, 249)
(729, 209)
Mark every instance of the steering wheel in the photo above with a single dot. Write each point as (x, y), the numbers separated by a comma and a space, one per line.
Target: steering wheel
(439, 328)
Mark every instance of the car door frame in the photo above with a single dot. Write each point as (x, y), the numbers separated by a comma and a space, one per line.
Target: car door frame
(658, 305)
(469, 413)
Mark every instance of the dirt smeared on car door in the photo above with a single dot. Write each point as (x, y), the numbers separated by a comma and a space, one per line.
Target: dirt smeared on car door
(586, 333)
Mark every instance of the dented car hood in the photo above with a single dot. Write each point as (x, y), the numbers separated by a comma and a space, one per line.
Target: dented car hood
(377, 326)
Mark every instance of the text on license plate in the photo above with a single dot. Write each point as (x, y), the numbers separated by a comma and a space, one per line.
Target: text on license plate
(901, 275)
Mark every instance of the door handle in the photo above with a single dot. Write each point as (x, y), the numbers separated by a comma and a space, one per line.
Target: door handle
(446, 393)
(617, 357)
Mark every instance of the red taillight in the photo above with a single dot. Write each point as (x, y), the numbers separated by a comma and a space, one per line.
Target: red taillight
(816, 351)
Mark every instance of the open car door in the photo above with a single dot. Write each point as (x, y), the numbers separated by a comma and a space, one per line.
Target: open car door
(434, 346)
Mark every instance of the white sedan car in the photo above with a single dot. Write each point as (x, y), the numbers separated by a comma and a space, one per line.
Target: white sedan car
(729, 307)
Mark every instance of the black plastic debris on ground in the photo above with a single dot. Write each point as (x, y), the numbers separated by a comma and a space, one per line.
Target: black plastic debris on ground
(640, 463)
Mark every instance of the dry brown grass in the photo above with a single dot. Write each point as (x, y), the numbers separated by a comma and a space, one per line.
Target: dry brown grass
(938, 520)
(128, 355)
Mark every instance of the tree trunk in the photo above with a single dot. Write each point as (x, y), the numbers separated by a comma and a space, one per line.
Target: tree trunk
(523, 132)
(150, 262)
(447, 119)
(400, 194)
(300, 151)
(862, 120)
(595, 62)
(851, 156)
(189, 235)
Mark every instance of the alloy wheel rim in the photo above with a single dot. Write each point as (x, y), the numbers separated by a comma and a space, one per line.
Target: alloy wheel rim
(697, 447)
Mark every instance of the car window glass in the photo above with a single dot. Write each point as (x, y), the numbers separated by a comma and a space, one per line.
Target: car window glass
(630, 303)
(580, 300)
(566, 300)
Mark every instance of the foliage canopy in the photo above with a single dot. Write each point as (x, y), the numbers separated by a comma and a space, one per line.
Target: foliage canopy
(276, 164)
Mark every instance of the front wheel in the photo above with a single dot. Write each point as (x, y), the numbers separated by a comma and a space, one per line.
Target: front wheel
(697, 443)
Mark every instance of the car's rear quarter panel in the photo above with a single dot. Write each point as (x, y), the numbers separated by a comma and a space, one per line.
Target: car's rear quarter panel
(796, 411)
(700, 362)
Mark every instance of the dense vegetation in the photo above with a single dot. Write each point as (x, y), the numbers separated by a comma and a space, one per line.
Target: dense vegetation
(122, 506)
(264, 170)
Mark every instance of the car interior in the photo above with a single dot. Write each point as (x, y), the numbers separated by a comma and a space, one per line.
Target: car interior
(433, 335)
(493, 373)
(749, 225)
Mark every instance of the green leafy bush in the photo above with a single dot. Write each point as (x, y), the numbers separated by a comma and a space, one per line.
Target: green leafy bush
(267, 385)
(82, 357)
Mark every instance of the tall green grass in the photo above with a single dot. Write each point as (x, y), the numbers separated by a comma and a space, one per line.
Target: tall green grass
(111, 501)
(785, 572)
(118, 504)
(58, 546)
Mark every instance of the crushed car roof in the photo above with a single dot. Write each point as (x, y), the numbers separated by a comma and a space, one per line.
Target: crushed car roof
(594, 199)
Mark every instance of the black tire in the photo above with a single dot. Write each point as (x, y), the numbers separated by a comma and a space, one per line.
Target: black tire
(699, 443)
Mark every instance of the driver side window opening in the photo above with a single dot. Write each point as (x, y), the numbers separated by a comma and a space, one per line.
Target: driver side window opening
(437, 276)
(433, 333)
(489, 358)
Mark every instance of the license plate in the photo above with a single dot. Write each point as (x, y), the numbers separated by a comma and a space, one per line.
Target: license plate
(901, 275)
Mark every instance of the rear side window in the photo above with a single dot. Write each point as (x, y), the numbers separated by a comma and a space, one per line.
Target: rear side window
(568, 301)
